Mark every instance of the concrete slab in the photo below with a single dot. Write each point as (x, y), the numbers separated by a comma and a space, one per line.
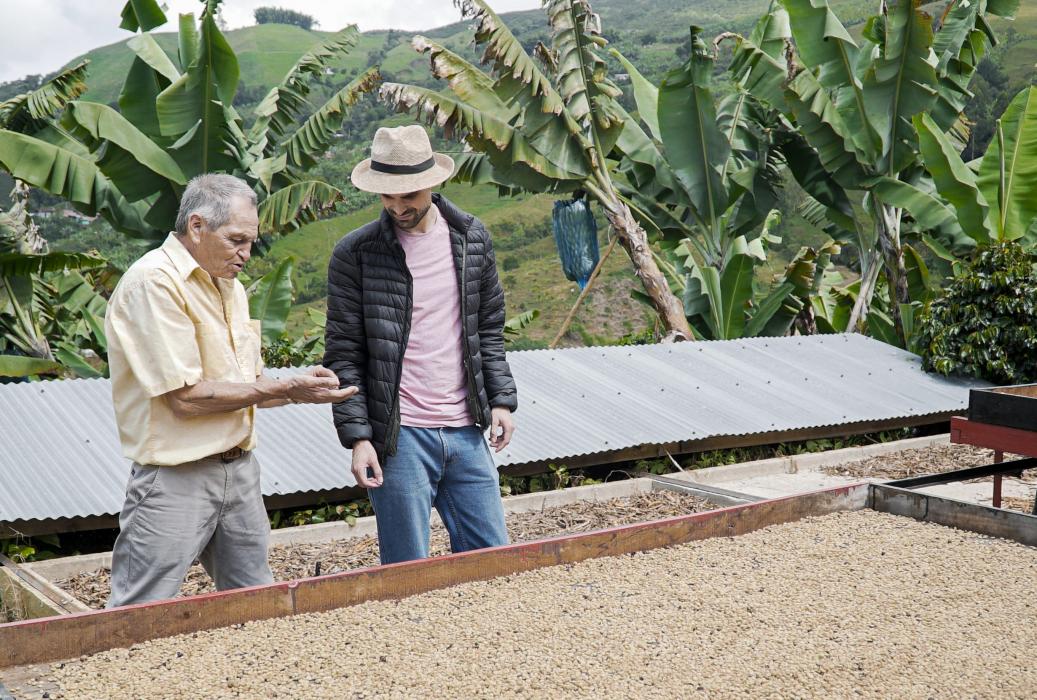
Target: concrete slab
(981, 492)
(784, 484)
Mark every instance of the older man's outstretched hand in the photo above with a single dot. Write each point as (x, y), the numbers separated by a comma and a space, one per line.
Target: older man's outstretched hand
(319, 385)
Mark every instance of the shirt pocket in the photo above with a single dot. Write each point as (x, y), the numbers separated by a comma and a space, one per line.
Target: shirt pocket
(217, 353)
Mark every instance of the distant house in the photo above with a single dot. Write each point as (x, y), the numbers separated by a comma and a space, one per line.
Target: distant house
(77, 216)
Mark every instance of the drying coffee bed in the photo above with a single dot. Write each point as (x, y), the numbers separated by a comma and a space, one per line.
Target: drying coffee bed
(855, 604)
(298, 561)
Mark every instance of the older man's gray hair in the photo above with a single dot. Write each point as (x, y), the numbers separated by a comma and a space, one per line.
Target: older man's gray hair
(209, 196)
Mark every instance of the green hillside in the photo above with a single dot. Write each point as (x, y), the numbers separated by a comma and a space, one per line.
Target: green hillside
(647, 30)
(526, 258)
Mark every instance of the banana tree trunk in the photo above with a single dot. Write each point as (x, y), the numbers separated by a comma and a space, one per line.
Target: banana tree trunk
(869, 279)
(888, 220)
(635, 241)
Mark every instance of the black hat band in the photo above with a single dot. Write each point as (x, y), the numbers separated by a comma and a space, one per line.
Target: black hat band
(403, 169)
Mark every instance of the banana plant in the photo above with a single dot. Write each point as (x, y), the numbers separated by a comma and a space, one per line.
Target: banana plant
(48, 311)
(996, 200)
(702, 175)
(175, 120)
(854, 103)
(544, 125)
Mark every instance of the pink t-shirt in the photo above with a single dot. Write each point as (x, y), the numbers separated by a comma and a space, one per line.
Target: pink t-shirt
(432, 386)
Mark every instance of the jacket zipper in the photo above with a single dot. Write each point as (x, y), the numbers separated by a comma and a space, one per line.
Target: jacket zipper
(473, 399)
(394, 418)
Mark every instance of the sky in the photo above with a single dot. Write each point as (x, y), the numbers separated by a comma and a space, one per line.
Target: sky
(40, 36)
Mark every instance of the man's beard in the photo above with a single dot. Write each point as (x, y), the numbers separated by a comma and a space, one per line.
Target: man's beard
(412, 221)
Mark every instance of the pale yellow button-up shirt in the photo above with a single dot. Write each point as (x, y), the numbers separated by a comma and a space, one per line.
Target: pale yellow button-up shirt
(170, 324)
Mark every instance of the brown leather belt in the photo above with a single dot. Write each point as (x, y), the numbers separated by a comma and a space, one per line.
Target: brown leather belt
(230, 455)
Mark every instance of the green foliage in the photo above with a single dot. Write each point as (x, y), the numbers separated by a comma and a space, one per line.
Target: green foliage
(28, 549)
(347, 512)
(51, 309)
(560, 476)
(557, 477)
(176, 119)
(279, 15)
(305, 349)
(514, 326)
(984, 324)
(270, 300)
(857, 105)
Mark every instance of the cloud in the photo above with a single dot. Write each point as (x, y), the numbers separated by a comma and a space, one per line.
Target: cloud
(40, 36)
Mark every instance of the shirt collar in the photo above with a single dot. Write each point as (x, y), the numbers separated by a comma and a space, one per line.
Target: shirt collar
(181, 258)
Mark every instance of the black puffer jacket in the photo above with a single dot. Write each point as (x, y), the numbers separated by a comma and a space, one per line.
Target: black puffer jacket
(369, 315)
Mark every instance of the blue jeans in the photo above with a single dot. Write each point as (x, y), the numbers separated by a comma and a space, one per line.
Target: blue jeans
(449, 468)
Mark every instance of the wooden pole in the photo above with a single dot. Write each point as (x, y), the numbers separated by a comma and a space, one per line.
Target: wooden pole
(586, 290)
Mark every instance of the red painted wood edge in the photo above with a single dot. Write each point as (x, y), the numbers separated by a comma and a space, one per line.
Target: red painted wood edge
(69, 636)
(994, 437)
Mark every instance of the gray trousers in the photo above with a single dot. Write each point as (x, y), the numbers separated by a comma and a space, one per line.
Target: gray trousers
(207, 510)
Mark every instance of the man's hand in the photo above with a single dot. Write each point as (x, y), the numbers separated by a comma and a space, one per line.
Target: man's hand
(366, 457)
(502, 427)
(319, 385)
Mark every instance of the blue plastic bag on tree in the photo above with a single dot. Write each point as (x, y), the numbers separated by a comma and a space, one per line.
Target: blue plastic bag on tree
(576, 235)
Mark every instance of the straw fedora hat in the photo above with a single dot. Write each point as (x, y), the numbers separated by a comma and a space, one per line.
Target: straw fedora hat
(401, 161)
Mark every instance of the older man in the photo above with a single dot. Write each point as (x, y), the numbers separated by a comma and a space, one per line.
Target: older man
(186, 379)
(416, 321)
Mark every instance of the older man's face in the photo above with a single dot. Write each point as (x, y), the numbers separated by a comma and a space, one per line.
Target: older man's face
(223, 252)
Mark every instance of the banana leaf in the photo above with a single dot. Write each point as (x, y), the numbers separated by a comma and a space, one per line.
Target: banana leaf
(19, 366)
(270, 300)
(1019, 194)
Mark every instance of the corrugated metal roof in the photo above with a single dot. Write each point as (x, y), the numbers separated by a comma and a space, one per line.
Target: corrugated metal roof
(62, 459)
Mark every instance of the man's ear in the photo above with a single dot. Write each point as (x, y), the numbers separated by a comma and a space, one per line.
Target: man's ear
(195, 227)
